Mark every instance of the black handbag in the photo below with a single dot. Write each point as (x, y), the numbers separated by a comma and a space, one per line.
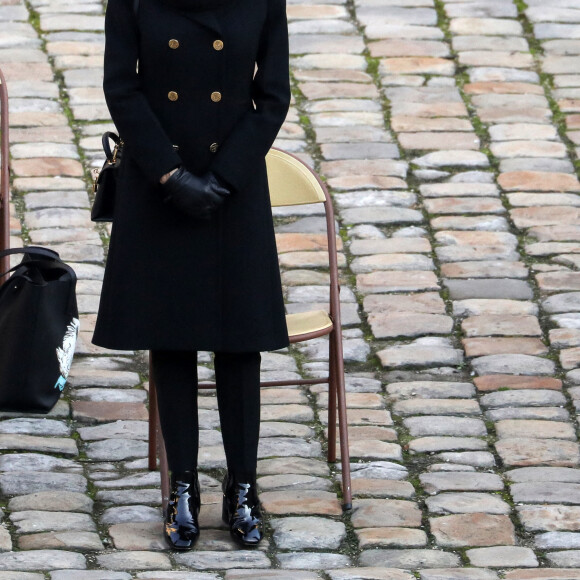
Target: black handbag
(39, 327)
(105, 180)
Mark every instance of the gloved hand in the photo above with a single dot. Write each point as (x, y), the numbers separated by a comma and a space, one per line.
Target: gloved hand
(195, 196)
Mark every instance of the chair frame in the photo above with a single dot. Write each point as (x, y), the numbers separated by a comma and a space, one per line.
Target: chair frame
(335, 378)
(4, 176)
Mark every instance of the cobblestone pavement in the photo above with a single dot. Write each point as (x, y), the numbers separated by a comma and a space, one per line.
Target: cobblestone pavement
(447, 130)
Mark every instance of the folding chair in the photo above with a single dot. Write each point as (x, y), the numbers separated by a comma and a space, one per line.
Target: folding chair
(4, 176)
(292, 183)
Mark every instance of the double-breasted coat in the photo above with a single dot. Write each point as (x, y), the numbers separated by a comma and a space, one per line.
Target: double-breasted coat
(209, 89)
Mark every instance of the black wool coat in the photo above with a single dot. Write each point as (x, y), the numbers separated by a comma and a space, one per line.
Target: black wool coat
(209, 89)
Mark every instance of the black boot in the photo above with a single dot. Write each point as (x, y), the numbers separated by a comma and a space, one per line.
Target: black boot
(181, 527)
(241, 511)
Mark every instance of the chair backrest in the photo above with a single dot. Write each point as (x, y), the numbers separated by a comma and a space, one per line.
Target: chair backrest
(291, 181)
(4, 176)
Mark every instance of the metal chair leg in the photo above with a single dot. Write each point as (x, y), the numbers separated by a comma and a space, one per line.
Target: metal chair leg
(342, 421)
(163, 468)
(152, 420)
(332, 375)
(156, 441)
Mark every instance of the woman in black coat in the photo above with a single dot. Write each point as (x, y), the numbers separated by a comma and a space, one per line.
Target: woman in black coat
(198, 90)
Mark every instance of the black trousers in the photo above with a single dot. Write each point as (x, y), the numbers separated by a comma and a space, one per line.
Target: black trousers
(238, 394)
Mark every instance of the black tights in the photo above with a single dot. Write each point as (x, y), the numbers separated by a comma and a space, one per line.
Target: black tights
(238, 395)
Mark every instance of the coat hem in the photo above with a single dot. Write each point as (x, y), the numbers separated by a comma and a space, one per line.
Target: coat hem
(111, 345)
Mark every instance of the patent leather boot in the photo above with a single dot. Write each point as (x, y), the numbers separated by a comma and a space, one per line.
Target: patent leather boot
(241, 511)
(181, 526)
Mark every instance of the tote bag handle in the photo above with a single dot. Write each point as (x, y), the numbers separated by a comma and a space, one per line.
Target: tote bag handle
(38, 251)
(52, 255)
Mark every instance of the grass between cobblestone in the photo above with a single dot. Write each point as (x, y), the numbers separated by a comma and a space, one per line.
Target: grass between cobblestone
(416, 463)
(547, 82)
(481, 132)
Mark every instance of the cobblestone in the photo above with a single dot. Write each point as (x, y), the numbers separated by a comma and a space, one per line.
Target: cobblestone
(409, 558)
(473, 530)
(467, 502)
(298, 533)
(500, 557)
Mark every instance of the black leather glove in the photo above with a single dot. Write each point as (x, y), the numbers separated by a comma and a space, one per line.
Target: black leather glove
(195, 196)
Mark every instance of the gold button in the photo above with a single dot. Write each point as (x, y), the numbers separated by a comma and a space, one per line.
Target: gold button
(173, 43)
(172, 96)
(213, 147)
(216, 96)
(218, 44)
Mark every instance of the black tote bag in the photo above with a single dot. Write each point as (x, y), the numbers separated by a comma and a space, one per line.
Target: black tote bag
(38, 330)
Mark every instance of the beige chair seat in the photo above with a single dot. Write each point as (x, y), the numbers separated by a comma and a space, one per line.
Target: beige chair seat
(308, 322)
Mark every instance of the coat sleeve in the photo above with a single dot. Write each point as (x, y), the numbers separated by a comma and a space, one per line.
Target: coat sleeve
(138, 126)
(247, 145)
